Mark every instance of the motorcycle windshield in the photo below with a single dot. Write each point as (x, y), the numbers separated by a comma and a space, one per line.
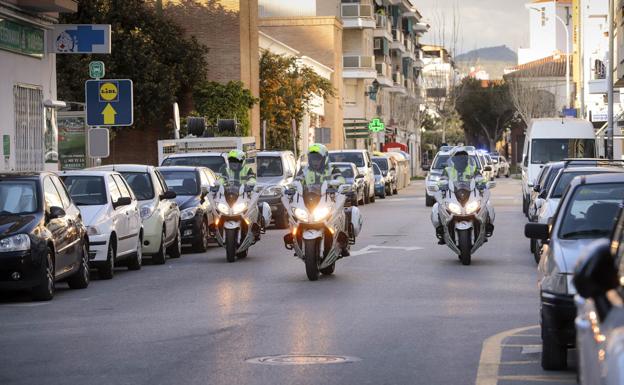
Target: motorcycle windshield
(312, 196)
(462, 191)
(231, 191)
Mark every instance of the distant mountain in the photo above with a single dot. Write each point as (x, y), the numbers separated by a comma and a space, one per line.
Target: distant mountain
(494, 60)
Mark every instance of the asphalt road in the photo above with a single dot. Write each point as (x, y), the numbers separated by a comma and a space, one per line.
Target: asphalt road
(402, 307)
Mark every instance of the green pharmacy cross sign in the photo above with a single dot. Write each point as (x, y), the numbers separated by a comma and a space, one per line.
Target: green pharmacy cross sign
(376, 125)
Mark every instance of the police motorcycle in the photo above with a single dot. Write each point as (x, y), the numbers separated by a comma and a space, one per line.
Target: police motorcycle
(239, 218)
(463, 215)
(322, 229)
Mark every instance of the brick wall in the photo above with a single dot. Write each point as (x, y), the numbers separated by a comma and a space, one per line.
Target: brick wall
(134, 146)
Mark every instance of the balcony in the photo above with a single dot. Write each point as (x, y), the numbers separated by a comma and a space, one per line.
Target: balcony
(399, 83)
(419, 64)
(409, 86)
(357, 16)
(359, 67)
(384, 74)
(398, 40)
(598, 82)
(384, 27)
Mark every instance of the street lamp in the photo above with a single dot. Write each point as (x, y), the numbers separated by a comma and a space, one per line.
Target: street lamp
(567, 39)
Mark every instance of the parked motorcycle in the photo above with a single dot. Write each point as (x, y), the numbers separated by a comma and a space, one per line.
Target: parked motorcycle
(463, 216)
(322, 229)
(239, 218)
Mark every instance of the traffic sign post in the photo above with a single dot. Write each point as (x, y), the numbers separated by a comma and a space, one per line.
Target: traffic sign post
(109, 102)
(96, 70)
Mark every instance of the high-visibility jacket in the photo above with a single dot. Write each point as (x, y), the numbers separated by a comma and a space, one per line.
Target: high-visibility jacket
(469, 172)
(245, 175)
(311, 177)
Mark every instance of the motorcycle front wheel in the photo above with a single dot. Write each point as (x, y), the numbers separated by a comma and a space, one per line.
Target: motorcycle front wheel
(312, 253)
(465, 245)
(230, 244)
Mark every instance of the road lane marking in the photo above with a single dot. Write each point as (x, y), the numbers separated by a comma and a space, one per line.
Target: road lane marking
(556, 378)
(370, 249)
(490, 360)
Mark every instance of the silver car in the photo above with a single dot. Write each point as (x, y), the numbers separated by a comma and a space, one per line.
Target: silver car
(587, 212)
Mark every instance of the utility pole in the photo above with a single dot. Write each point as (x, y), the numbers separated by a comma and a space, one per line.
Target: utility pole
(610, 59)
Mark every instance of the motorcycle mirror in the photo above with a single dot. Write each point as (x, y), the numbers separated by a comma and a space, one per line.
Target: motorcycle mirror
(290, 192)
(596, 274)
(214, 189)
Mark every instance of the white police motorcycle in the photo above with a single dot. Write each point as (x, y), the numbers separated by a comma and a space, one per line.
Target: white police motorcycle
(322, 230)
(239, 218)
(463, 216)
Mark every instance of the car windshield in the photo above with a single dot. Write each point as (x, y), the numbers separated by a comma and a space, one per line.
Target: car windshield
(269, 166)
(564, 181)
(86, 190)
(18, 197)
(551, 150)
(376, 169)
(592, 211)
(181, 182)
(141, 184)
(440, 162)
(382, 163)
(344, 170)
(349, 157)
(212, 162)
(488, 160)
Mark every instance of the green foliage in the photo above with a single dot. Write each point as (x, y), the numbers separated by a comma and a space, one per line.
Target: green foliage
(286, 88)
(147, 48)
(224, 101)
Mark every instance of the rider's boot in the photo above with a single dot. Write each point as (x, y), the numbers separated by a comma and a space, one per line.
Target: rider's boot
(440, 235)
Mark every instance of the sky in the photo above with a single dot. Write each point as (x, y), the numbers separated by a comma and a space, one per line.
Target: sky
(483, 23)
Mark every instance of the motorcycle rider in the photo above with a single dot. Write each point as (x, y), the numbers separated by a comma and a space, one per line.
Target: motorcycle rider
(461, 167)
(237, 170)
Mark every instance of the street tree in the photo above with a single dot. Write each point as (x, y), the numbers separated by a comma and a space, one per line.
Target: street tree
(486, 110)
(148, 48)
(286, 90)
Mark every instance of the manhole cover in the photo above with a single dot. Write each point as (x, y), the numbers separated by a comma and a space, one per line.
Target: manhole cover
(302, 359)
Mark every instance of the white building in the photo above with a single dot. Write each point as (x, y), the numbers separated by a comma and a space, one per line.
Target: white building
(28, 84)
(548, 22)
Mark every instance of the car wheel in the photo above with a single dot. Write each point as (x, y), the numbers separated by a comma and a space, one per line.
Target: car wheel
(372, 198)
(136, 261)
(429, 201)
(44, 291)
(395, 191)
(201, 242)
(107, 271)
(281, 221)
(161, 256)
(80, 280)
(366, 198)
(175, 250)
(383, 194)
(507, 176)
(554, 356)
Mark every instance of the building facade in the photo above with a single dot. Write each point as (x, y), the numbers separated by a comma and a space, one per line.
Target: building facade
(28, 84)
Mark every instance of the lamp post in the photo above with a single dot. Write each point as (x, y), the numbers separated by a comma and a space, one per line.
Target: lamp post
(567, 39)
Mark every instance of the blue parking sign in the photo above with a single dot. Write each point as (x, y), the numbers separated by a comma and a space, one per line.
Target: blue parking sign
(109, 102)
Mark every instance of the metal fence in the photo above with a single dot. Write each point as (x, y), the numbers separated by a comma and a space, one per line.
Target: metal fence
(29, 121)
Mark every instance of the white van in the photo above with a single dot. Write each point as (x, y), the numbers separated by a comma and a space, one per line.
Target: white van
(551, 140)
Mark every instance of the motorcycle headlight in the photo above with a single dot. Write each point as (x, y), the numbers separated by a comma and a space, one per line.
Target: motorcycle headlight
(454, 208)
(223, 208)
(472, 207)
(300, 214)
(92, 230)
(188, 213)
(19, 242)
(239, 207)
(147, 210)
(320, 213)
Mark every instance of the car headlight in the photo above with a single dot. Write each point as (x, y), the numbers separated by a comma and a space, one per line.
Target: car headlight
(188, 213)
(434, 178)
(300, 214)
(19, 242)
(472, 207)
(555, 283)
(239, 207)
(147, 210)
(320, 213)
(223, 208)
(92, 230)
(454, 208)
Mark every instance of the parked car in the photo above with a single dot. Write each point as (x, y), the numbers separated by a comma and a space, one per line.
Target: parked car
(433, 176)
(211, 160)
(192, 185)
(159, 211)
(598, 279)
(502, 166)
(381, 185)
(551, 140)
(42, 237)
(353, 178)
(110, 212)
(276, 169)
(586, 213)
(362, 160)
(388, 172)
(486, 166)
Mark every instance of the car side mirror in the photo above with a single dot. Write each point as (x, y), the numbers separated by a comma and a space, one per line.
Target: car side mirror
(536, 188)
(359, 176)
(537, 231)
(290, 192)
(595, 274)
(169, 194)
(56, 212)
(205, 190)
(123, 201)
(214, 189)
(543, 194)
(487, 168)
(288, 174)
(426, 167)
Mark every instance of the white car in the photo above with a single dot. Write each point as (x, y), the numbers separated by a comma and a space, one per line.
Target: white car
(110, 212)
(159, 211)
(212, 160)
(364, 163)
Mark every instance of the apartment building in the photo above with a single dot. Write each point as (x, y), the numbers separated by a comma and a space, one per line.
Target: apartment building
(550, 29)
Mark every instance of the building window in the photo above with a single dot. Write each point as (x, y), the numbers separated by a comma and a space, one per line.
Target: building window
(322, 135)
(543, 16)
(29, 133)
(351, 92)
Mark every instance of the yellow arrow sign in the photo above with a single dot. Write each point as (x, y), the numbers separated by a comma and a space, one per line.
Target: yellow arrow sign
(109, 114)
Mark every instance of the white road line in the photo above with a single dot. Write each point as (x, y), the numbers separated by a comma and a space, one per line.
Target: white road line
(370, 249)
(569, 379)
